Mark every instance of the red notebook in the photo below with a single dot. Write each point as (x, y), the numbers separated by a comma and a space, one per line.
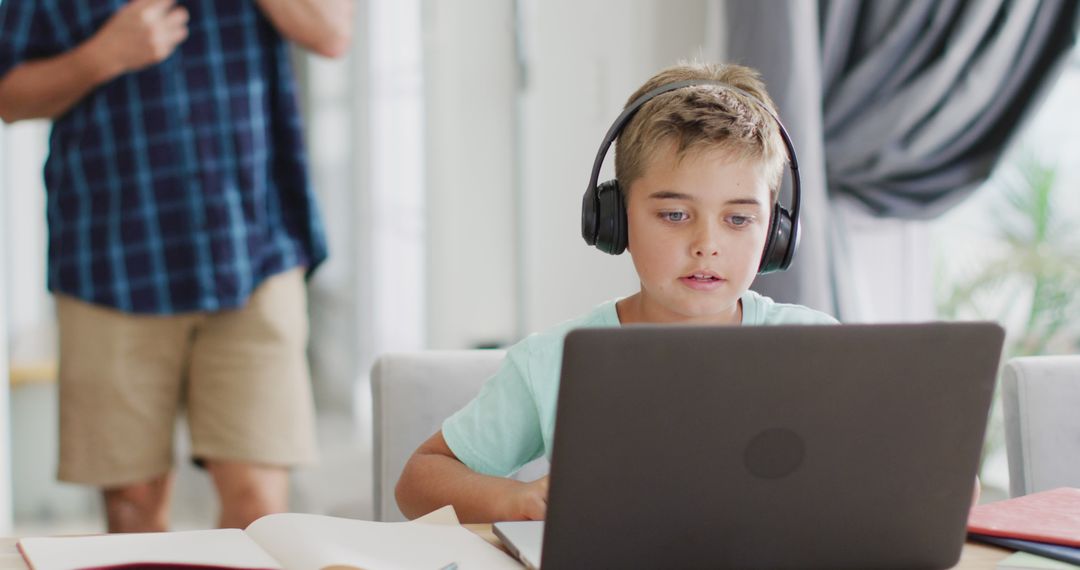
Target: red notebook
(1049, 516)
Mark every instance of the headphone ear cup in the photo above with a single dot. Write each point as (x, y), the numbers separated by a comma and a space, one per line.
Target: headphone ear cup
(590, 211)
(779, 249)
(610, 218)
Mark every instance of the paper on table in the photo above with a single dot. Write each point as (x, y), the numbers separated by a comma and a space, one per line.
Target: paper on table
(1026, 561)
(313, 542)
(228, 548)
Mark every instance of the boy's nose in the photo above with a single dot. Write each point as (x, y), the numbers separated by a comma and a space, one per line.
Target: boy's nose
(705, 244)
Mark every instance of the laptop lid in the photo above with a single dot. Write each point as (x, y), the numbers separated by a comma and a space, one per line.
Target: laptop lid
(768, 447)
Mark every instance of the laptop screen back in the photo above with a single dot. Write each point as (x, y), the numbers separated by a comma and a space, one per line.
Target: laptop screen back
(768, 447)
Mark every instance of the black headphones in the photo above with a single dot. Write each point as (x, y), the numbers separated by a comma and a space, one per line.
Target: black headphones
(603, 209)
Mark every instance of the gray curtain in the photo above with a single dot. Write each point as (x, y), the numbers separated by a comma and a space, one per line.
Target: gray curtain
(901, 105)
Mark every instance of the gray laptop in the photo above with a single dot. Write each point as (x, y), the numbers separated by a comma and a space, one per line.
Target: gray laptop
(850, 446)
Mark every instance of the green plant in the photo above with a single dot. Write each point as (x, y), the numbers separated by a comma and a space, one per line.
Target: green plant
(1029, 284)
(1030, 279)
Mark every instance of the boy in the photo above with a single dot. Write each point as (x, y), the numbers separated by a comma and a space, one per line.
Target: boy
(700, 168)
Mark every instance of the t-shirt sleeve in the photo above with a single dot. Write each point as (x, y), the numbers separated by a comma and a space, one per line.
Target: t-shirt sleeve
(499, 431)
(784, 314)
(25, 33)
(812, 317)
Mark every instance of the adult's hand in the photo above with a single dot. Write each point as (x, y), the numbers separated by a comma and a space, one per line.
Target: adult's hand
(140, 34)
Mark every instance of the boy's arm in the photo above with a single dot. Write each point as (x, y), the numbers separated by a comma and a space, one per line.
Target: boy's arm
(321, 26)
(140, 34)
(434, 477)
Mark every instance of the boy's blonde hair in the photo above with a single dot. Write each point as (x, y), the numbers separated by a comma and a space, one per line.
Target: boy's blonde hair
(700, 117)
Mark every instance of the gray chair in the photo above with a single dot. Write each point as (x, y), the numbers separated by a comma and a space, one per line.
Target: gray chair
(412, 393)
(1040, 397)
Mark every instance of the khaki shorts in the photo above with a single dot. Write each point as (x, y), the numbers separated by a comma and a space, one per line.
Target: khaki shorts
(242, 376)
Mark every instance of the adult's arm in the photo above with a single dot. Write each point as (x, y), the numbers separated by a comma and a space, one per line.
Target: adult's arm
(140, 34)
(321, 26)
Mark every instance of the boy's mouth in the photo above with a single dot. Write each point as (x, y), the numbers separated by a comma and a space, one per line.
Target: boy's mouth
(702, 280)
(703, 276)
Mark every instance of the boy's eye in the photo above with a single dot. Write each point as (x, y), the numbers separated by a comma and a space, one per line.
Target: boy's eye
(674, 216)
(739, 221)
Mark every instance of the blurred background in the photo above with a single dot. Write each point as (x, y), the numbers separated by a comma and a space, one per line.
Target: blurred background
(451, 147)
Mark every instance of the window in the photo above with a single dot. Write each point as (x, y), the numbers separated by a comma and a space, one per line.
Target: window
(1009, 252)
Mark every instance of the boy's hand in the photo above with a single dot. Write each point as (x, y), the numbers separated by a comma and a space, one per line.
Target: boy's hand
(140, 34)
(529, 501)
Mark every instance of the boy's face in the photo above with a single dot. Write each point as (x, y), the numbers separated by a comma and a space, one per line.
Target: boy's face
(697, 228)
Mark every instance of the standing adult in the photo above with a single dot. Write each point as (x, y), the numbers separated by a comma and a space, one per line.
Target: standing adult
(181, 228)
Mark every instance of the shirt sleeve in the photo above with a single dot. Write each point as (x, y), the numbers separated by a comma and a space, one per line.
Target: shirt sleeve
(25, 33)
(499, 431)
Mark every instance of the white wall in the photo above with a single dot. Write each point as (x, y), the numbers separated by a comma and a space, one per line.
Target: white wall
(471, 82)
(584, 60)
(26, 318)
(5, 427)
(505, 256)
(365, 128)
(28, 442)
(30, 309)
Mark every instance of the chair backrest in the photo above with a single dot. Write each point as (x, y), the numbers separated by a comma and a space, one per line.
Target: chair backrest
(412, 394)
(1040, 397)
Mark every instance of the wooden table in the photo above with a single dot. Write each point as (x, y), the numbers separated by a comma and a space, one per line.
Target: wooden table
(975, 556)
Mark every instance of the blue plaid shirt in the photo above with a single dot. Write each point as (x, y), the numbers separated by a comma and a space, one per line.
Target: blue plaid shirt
(180, 187)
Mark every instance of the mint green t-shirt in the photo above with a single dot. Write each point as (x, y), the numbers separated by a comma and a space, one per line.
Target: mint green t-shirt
(512, 420)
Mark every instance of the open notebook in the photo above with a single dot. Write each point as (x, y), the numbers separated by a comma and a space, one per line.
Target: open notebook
(287, 541)
(1049, 516)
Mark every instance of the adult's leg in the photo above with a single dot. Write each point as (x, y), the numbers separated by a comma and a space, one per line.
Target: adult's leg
(120, 388)
(248, 491)
(139, 507)
(249, 403)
